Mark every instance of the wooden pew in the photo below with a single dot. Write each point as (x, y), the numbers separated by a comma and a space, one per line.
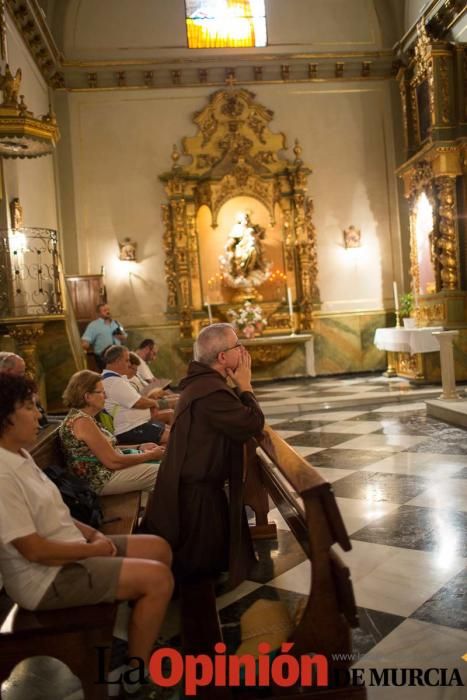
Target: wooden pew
(72, 634)
(307, 503)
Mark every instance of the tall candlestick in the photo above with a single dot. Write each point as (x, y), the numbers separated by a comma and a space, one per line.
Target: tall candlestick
(289, 301)
(396, 296)
(396, 304)
(208, 306)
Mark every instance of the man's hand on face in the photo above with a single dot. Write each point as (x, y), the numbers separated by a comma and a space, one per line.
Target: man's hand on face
(241, 376)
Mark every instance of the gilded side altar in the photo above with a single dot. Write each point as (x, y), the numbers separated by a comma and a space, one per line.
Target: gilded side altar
(235, 163)
(435, 186)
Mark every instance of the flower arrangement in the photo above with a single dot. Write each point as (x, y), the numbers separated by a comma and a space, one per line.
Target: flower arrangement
(249, 319)
(406, 304)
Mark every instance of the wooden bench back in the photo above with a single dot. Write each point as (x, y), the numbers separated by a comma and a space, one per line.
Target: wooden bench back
(47, 449)
(120, 510)
(307, 503)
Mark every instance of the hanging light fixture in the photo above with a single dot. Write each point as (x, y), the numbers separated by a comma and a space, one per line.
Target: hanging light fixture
(22, 135)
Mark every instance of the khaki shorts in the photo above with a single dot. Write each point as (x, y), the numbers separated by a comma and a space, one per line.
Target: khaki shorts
(86, 582)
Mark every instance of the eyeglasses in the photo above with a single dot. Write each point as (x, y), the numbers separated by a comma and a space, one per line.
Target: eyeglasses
(237, 345)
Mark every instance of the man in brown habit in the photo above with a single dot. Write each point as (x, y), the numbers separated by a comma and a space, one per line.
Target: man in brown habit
(189, 506)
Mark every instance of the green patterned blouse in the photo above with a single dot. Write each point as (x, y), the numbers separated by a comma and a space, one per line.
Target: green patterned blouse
(79, 458)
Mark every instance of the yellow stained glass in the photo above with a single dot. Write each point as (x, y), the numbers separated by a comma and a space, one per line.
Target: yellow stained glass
(225, 23)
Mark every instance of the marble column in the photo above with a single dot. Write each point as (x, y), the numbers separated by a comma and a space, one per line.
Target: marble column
(448, 375)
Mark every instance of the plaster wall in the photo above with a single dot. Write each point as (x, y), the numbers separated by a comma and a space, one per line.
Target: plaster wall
(413, 10)
(119, 142)
(123, 28)
(32, 180)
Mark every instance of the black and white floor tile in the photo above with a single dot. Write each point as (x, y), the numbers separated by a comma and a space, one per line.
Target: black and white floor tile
(399, 478)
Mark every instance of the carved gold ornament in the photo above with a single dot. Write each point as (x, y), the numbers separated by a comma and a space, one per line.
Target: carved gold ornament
(22, 135)
(447, 244)
(234, 153)
(422, 52)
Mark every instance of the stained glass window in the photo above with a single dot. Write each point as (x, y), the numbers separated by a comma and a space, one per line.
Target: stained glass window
(215, 24)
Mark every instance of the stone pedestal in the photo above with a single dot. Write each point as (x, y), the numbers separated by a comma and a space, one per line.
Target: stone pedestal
(448, 375)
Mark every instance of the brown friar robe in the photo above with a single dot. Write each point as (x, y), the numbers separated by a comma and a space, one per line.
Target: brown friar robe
(189, 506)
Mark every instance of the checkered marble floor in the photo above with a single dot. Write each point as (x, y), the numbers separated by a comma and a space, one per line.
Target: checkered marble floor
(399, 480)
(399, 477)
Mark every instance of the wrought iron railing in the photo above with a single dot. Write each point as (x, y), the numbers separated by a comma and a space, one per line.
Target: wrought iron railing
(30, 279)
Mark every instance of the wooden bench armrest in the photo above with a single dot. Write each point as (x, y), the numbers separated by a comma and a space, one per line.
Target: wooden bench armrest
(125, 507)
(305, 480)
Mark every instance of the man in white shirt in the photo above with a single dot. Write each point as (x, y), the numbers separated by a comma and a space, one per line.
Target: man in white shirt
(50, 561)
(147, 352)
(151, 385)
(131, 412)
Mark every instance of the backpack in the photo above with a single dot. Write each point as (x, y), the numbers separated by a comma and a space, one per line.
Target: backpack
(76, 493)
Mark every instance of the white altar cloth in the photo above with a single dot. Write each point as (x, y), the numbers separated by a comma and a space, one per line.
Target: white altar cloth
(411, 340)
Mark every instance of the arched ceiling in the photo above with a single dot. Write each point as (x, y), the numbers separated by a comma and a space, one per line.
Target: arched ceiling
(117, 29)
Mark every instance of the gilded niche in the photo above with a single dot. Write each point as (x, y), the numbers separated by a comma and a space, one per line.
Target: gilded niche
(244, 265)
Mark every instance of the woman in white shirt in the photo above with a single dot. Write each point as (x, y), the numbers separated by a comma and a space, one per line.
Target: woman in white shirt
(49, 561)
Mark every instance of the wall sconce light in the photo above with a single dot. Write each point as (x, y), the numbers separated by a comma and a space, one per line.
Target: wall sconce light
(352, 237)
(127, 250)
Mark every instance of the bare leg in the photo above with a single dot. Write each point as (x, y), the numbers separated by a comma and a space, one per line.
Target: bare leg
(150, 583)
(149, 547)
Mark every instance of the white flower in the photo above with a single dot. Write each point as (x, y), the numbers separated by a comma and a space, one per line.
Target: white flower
(249, 315)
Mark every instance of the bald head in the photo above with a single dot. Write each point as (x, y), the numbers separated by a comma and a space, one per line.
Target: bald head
(12, 364)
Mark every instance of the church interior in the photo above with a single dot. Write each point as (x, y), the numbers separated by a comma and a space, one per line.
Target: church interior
(297, 168)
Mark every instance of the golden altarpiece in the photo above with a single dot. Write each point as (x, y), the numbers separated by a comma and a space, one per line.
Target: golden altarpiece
(434, 107)
(238, 228)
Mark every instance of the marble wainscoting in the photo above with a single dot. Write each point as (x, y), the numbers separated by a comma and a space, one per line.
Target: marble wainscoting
(344, 342)
(54, 358)
(172, 360)
(56, 361)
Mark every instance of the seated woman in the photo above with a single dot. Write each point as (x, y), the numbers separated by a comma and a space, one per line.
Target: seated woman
(91, 451)
(50, 561)
(163, 412)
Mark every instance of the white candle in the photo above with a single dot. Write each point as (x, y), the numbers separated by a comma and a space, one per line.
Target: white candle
(289, 301)
(208, 306)
(396, 296)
